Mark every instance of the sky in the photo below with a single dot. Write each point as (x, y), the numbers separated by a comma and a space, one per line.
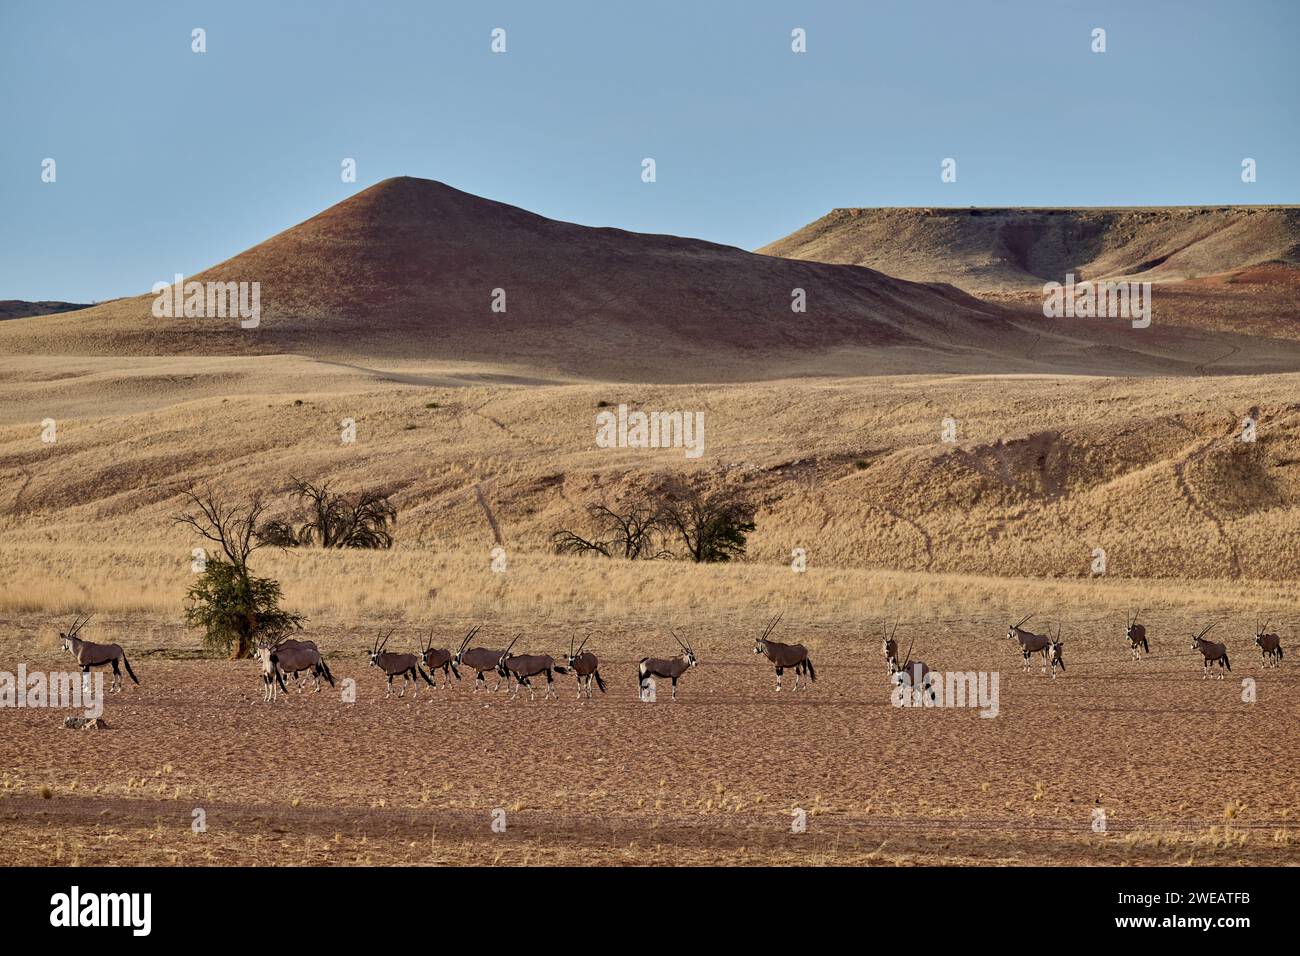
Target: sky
(168, 161)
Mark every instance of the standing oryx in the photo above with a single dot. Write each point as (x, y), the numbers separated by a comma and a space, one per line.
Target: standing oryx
(1031, 643)
(480, 659)
(272, 676)
(784, 655)
(1270, 647)
(586, 666)
(671, 667)
(890, 649)
(525, 666)
(436, 658)
(408, 665)
(1137, 637)
(1211, 652)
(295, 657)
(912, 674)
(90, 655)
(1054, 653)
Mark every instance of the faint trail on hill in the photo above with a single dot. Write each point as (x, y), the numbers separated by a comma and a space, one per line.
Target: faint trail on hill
(491, 519)
(925, 535)
(1232, 350)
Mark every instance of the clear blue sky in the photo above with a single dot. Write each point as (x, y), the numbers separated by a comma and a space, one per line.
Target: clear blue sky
(170, 161)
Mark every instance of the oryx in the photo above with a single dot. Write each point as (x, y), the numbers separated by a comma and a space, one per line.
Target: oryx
(1211, 652)
(890, 648)
(784, 655)
(1137, 637)
(439, 658)
(1270, 647)
(295, 657)
(272, 677)
(586, 666)
(89, 654)
(480, 659)
(524, 666)
(913, 674)
(672, 667)
(408, 665)
(1030, 643)
(1054, 653)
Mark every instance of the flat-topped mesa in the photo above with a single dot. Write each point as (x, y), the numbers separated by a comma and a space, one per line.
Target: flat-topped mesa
(1006, 249)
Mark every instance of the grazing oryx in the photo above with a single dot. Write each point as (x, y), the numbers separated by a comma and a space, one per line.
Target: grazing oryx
(890, 648)
(296, 657)
(436, 658)
(525, 666)
(585, 665)
(90, 655)
(671, 667)
(408, 665)
(272, 677)
(480, 659)
(784, 655)
(1030, 643)
(1054, 653)
(914, 674)
(1270, 647)
(1137, 637)
(1211, 652)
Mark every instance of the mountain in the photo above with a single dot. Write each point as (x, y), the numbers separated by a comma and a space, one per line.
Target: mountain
(19, 309)
(407, 269)
(1006, 250)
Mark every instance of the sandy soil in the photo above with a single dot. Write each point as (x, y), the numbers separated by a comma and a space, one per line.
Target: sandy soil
(1185, 771)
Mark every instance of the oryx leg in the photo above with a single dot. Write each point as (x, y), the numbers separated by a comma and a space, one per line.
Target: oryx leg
(674, 688)
(550, 687)
(778, 679)
(388, 693)
(116, 684)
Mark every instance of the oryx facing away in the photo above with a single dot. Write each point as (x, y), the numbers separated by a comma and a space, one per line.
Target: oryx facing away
(524, 666)
(408, 665)
(1031, 643)
(295, 657)
(480, 659)
(89, 654)
(1137, 637)
(784, 655)
(272, 676)
(586, 666)
(439, 658)
(1211, 652)
(1270, 646)
(671, 667)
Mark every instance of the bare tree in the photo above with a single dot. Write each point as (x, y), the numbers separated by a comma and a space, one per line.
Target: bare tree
(628, 532)
(233, 527)
(362, 519)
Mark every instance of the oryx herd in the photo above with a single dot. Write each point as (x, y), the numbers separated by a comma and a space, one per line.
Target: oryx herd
(301, 661)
